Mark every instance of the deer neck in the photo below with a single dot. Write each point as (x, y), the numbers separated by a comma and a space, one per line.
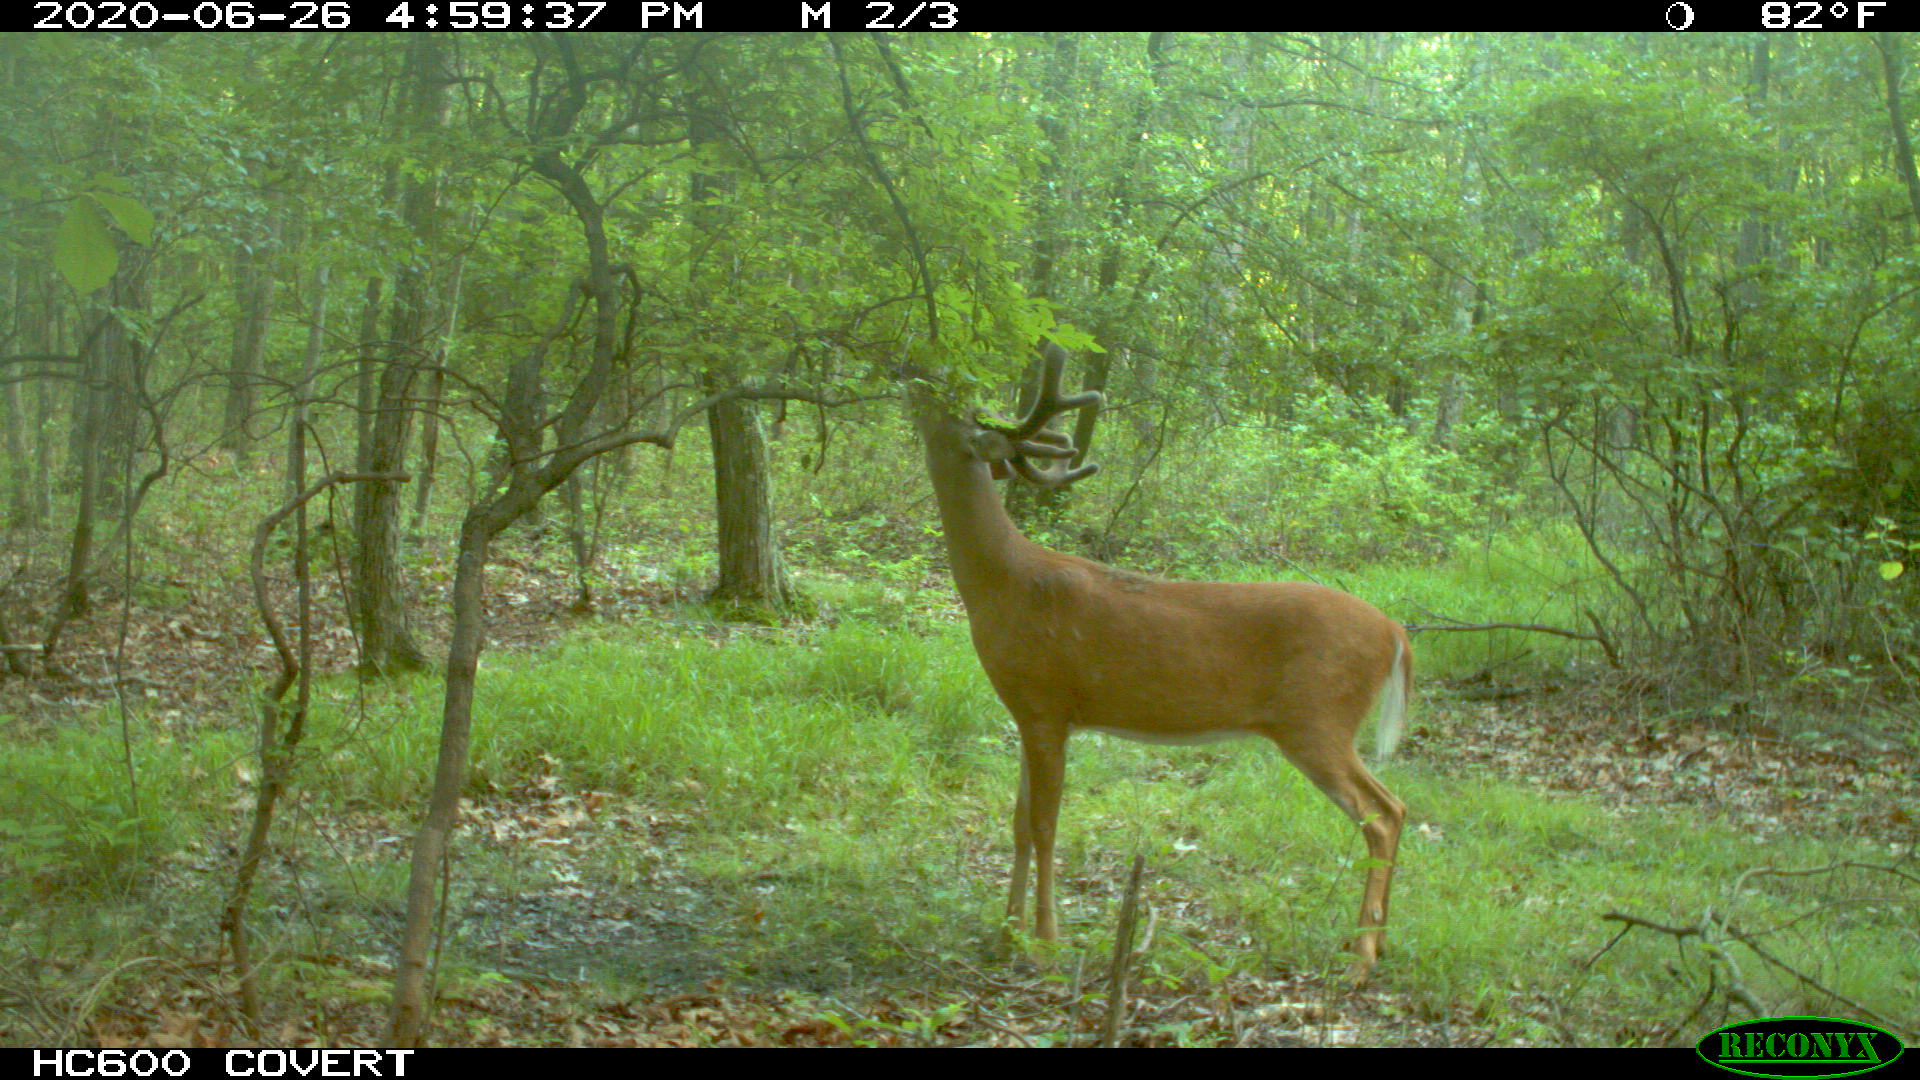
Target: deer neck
(984, 547)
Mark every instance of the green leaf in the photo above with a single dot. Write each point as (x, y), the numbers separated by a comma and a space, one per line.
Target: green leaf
(1891, 569)
(83, 251)
(134, 219)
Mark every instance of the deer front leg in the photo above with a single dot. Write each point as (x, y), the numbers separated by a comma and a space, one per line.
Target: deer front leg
(1044, 767)
(1022, 855)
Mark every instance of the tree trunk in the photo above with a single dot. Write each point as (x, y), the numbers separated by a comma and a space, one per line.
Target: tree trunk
(386, 640)
(429, 449)
(751, 570)
(750, 564)
(366, 369)
(106, 429)
(436, 386)
(19, 506)
(43, 429)
(456, 722)
(15, 422)
(1752, 245)
(303, 394)
(577, 543)
(73, 591)
(379, 599)
(253, 299)
(1891, 66)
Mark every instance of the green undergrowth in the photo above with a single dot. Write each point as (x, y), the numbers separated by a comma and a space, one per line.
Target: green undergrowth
(844, 791)
(851, 788)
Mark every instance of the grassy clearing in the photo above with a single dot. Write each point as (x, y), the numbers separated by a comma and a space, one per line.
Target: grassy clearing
(841, 797)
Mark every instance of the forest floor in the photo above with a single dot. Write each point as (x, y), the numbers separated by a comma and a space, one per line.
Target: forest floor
(192, 658)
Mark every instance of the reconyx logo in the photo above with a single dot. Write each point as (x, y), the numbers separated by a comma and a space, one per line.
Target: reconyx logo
(1801, 1047)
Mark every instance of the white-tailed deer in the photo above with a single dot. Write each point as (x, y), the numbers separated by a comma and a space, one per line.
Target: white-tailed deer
(1070, 644)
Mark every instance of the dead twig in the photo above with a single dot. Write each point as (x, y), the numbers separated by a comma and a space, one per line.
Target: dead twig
(1123, 955)
(1717, 933)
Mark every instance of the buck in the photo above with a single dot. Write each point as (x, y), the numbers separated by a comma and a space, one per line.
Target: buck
(1070, 645)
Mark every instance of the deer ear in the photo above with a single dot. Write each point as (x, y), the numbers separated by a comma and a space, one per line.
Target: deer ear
(999, 470)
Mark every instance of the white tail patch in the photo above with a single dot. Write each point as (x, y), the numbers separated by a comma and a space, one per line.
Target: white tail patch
(1393, 705)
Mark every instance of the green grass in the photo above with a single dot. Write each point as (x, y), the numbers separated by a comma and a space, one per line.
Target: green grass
(72, 828)
(848, 790)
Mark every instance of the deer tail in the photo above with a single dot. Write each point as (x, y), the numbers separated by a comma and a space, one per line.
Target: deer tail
(1395, 695)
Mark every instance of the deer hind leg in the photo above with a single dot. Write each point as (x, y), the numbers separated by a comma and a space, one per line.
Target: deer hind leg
(1336, 770)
